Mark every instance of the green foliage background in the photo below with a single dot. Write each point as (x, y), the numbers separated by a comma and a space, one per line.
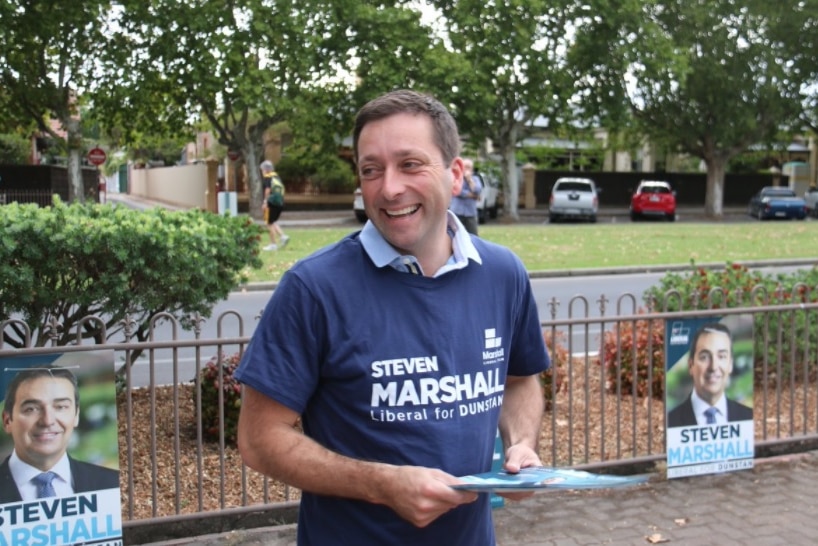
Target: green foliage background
(66, 262)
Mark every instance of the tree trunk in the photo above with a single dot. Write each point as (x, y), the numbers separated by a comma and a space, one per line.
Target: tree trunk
(76, 188)
(508, 161)
(254, 190)
(714, 197)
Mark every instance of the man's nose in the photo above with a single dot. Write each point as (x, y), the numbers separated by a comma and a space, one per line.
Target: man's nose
(393, 184)
(47, 416)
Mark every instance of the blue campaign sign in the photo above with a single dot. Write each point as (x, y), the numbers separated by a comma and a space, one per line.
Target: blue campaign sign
(59, 456)
(709, 394)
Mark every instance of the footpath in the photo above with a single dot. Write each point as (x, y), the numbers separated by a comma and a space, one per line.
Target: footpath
(772, 504)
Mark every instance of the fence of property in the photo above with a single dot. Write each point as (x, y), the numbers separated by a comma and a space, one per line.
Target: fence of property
(605, 399)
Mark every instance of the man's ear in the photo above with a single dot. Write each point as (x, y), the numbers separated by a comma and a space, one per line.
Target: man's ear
(457, 169)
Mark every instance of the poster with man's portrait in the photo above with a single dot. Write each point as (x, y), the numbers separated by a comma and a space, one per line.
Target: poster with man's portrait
(59, 452)
(709, 395)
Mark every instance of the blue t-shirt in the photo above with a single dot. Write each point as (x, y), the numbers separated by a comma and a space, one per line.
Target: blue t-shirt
(398, 368)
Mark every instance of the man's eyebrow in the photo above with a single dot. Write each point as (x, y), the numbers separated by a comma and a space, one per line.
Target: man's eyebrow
(398, 153)
(39, 402)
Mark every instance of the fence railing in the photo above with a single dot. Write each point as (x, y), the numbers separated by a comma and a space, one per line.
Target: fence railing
(596, 416)
(41, 197)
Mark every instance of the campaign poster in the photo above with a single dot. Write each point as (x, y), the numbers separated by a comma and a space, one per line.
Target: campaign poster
(709, 395)
(59, 454)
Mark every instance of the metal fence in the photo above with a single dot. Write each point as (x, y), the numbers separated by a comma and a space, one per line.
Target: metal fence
(595, 418)
(43, 198)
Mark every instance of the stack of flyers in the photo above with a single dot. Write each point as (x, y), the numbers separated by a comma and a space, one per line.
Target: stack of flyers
(542, 477)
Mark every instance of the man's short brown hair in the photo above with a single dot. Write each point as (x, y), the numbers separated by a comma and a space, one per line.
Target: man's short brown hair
(404, 101)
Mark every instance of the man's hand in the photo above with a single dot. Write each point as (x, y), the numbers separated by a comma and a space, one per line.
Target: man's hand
(518, 457)
(421, 495)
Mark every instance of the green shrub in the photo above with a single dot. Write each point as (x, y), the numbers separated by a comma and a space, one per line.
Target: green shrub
(786, 340)
(704, 288)
(335, 176)
(66, 262)
(633, 354)
(793, 334)
(217, 377)
(327, 173)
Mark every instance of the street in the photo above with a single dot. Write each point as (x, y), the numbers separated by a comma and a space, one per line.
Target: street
(557, 297)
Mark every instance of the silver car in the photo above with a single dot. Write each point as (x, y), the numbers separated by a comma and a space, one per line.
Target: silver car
(573, 199)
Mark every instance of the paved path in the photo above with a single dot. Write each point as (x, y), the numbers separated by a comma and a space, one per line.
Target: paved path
(774, 503)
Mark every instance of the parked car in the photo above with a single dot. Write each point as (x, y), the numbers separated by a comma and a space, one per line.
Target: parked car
(811, 199)
(573, 198)
(653, 198)
(487, 206)
(358, 206)
(777, 202)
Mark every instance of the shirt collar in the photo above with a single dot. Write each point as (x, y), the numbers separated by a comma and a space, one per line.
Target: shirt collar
(383, 254)
(699, 407)
(23, 472)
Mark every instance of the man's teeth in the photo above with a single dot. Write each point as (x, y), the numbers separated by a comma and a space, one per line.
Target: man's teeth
(402, 212)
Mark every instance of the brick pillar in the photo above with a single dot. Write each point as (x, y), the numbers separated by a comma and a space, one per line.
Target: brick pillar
(212, 183)
(529, 175)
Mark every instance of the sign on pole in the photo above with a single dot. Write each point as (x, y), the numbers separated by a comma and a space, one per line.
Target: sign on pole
(97, 156)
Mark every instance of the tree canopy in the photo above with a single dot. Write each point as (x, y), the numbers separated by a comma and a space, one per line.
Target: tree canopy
(47, 62)
(706, 78)
(512, 71)
(241, 68)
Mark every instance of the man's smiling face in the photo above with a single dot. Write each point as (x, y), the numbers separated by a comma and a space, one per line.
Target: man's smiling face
(405, 184)
(710, 365)
(42, 420)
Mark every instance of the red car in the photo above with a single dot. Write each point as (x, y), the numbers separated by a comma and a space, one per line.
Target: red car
(654, 199)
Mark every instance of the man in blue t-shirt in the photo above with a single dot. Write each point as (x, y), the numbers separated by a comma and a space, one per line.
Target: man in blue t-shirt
(399, 375)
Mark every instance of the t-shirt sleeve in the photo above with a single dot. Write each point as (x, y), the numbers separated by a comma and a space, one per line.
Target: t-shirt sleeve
(282, 358)
(529, 354)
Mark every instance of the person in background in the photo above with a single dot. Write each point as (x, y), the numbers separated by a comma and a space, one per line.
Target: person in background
(273, 204)
(40, 413)
(464, 204)
(378, 350)
(710, 363)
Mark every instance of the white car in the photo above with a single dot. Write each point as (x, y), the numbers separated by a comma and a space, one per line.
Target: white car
(358, 206)
(487, 206)
(573, 199)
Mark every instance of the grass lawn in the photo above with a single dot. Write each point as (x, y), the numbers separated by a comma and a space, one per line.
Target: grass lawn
(580, 246)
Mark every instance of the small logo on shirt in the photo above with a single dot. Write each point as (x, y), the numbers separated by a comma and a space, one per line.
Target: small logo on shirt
(492, 347)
